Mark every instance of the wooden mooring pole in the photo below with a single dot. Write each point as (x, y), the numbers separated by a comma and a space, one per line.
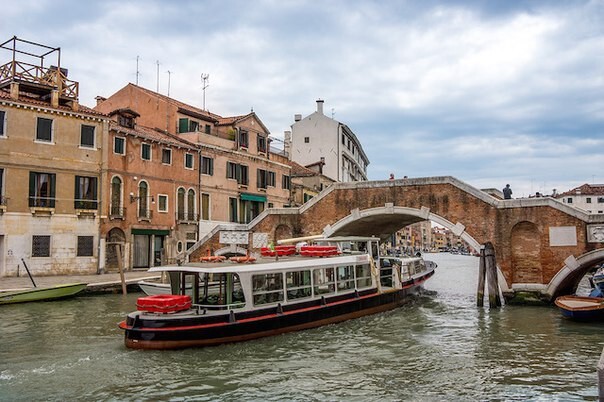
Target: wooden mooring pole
(488, 270)
(482, 270)
(118, 252)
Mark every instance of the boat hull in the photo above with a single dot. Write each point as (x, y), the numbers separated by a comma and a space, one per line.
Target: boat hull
(580, 308)
(174, 332)
(42, 294)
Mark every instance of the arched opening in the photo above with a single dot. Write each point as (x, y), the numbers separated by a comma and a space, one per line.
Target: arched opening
(115, 236)
(566, 281)
(282, 231)
(526, 253)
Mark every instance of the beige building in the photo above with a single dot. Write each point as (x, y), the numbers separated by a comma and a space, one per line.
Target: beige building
(239, 178)
(588, 197)
(51, 161)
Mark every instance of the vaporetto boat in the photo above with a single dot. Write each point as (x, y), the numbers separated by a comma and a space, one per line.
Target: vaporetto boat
(335, 280)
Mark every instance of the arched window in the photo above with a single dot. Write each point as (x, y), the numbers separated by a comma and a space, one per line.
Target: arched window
(115, 209)
(191, 205)
(180, 204)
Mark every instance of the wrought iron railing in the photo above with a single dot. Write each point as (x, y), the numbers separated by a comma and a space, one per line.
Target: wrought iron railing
(116, 211)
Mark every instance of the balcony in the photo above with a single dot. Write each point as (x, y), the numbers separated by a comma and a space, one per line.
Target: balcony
(187, 217)
(116, 212)
(144, 214)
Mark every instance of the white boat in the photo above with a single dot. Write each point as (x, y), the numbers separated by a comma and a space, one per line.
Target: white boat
(335, 280)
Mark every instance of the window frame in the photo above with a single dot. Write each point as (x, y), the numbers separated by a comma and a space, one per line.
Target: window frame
(166, 152)
(162, 198)
(206, 207)
(35, 251)
(244, 139)
(144, 146)
(3, 125)
(123, 140)
(207, 166)
(189, 157)
(52, 129)
(37, 200)
(87, 146)
(286, 183)
(78, 244)
(79, 202)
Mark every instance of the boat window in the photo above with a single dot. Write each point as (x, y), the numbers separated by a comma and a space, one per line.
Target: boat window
(324, 281)
(221, 290)
(298, 285)
(267, 288)
(363, 276)
(345, 277)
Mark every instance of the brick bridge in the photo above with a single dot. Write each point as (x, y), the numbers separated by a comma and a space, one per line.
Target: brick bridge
(542, 245)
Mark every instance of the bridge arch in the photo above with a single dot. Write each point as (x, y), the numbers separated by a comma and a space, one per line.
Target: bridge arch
(383, 221)
(567, 279)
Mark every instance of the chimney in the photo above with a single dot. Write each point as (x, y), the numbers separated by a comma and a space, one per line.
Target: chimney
(320, 105)
(287, 143)
(99, 100)
(297, 117)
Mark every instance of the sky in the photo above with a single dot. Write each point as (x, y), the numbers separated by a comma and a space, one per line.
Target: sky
(490, 92)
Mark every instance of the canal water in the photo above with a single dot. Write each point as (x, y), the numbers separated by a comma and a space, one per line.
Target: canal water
(439, 346)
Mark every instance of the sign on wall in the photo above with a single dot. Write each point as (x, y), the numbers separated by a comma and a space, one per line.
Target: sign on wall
(563, 236)
(232, 237)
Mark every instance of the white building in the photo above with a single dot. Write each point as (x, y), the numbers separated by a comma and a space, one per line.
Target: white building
(318, 140)
(588, 197)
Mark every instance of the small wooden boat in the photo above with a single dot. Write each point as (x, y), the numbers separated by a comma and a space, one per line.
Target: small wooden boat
(226, 302)
(581, 308)
(42, 294)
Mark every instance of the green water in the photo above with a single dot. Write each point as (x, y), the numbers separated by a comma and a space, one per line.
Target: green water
(438, 347)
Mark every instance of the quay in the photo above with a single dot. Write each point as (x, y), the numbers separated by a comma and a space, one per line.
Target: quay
(102, 283)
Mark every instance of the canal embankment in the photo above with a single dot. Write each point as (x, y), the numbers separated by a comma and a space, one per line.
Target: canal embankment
(102, 283)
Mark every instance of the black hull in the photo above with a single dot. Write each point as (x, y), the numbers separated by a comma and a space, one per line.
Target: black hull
(171, 333)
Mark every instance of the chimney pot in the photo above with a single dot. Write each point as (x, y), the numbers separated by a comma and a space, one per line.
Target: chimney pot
(320, 105)
(297, 117)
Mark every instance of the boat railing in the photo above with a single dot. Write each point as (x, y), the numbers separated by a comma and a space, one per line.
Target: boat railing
(219, 307)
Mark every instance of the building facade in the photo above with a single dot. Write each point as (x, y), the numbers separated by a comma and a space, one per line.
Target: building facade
(51, 163)
(588, 197)
(317, 138)
(239, 176)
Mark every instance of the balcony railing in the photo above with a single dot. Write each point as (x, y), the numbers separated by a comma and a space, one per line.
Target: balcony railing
(186, 217)
(42, 76)
(3, 201)
(116, 211)
(144, 213)
(42, 202)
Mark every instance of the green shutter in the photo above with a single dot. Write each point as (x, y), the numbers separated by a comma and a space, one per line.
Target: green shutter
(183, 125)
(32, 189)
(53, 182)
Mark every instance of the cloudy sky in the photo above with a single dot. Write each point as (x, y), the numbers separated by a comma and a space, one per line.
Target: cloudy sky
(491, 92)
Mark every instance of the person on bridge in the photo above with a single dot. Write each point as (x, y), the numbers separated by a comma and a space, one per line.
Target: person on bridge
(507, 192)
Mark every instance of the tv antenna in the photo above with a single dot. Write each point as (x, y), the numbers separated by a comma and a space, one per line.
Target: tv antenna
(137, 72)
(169, 74)
(157, 62)
(333, 111)
(204, 84)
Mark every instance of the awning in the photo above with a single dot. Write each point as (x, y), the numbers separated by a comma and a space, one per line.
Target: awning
(253, 197)
(156, 232)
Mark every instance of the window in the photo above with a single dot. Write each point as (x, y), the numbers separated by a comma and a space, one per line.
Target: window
(324, 281)
(85, 192)
(191, 216)
(588, 200)
(298, 285)
(569, 200)
(180, 204)
(42, 189)
(261, 144)
(2, 198)
(143, 201)
(233, 210)
(205, 207)
(87, 136)
(166, 156)
(285, 182)
(125, 121)
(189, 161)
(193, 126)
(119, 145)
(243, 138)
(207, 166)
(146, 152)
(363, 276)
(267, 288)
(2, 123)
(116, 209)
(162, 203)
(345, 277)
(44, 130)
(208, 129)
(261, 178)
(40, 246)
(85, 246)
(306, 140)
(343, 139)
(600, 200)
(270, 181)
(307, 197)
(238, 172)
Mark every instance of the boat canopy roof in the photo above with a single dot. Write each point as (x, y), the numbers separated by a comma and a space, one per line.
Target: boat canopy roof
(285, 265)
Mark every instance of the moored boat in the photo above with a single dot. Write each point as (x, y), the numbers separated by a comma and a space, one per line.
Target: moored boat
(42, 294)
(581, 308)
(233, 302)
